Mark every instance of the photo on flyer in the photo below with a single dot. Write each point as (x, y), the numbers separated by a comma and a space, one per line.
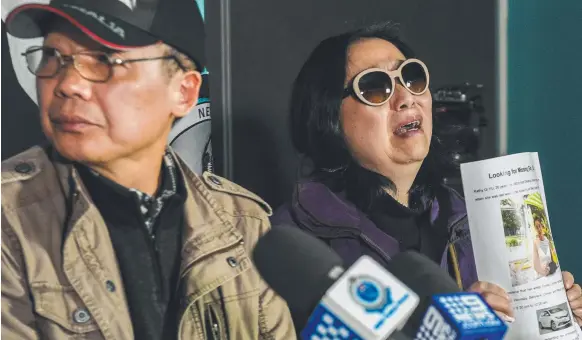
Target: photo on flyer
(553, 318)
(529, 242)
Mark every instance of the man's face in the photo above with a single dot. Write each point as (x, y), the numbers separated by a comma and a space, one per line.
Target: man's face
(126, 117)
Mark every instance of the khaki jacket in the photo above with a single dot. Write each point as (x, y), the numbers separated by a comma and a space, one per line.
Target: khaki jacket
(60, 278)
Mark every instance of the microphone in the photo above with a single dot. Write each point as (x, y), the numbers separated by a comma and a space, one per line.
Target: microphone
(301, 269)
(364, 302)
(444, 312)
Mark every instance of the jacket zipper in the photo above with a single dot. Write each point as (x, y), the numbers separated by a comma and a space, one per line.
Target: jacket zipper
(212, 326)
(376, 247)
(154, 253)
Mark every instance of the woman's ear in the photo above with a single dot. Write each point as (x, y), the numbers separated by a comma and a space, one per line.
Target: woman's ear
(187, 89)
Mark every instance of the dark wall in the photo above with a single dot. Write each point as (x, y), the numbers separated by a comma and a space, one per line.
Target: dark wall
(20, 124)
(272, 39)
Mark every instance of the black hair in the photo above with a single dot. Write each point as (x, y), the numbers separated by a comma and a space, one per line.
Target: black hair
(316, 129)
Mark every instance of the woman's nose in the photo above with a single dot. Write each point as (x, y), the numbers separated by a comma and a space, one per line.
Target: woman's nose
(402, 98)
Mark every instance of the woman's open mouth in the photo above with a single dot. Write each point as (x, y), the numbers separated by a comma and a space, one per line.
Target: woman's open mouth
(408, 128)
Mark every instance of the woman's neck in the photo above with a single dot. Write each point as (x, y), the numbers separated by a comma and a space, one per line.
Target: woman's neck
(402, 177)
(402, 197)
(363, 183)
(402, 184)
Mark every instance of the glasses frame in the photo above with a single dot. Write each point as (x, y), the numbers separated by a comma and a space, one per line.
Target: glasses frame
(65, 60)
(353, 89)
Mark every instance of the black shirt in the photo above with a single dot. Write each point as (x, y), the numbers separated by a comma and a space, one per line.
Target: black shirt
(410, 227)
(146, 233)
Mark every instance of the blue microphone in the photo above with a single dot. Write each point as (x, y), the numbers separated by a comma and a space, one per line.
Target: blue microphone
(460, 316)
(444, 312)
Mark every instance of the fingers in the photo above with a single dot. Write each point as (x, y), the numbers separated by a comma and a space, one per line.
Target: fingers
(495, 296)
(574, 293)
(568, 280)
(498, 303)
(575, 296)
(483, 287)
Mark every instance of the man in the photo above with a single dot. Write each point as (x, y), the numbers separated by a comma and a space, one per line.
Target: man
(106, 234)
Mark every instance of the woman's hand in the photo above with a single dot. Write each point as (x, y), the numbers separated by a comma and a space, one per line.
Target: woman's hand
(496, 297)
(574, 293)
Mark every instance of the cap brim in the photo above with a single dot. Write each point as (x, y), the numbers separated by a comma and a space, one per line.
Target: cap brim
(29, 21)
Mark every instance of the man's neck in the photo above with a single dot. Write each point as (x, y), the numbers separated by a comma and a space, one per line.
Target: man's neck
(141, 173)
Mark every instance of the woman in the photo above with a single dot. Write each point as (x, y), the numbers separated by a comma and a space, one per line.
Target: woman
(361, 111)
(542, 253)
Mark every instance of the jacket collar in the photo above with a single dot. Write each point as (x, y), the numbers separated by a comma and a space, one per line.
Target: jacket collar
(207, 227)
(327, 213)
(325, 207)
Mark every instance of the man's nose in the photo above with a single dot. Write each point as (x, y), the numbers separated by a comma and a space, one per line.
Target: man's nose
(71, 83)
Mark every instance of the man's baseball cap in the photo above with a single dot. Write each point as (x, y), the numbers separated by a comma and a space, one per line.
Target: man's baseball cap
(119, 24)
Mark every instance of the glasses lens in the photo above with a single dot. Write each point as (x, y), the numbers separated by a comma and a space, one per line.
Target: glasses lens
(93, 66)
(43, 62)
(375, 87)
(414, 77)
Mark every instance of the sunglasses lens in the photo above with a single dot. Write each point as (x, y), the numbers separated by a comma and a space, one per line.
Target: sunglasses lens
(375, 87)
(415, 77)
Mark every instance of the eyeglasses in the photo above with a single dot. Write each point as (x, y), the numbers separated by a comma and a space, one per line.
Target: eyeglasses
(96, 66)
(375, 86)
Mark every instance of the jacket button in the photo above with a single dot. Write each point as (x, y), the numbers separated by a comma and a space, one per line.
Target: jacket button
(232, 261)
(23, 168)
(110, 286)
(81, 315)
(214, 180)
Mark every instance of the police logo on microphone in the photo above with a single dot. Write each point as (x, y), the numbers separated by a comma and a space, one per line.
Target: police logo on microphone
(370, 293)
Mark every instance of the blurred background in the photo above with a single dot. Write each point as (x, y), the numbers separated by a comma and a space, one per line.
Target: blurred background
(508, 72)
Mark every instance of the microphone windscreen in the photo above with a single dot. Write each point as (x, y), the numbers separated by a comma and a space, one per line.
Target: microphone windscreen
(424, 277)
(297, 266)
(421, 274)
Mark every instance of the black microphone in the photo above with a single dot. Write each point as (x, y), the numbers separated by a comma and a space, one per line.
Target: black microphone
(299, 267)
(424, 277)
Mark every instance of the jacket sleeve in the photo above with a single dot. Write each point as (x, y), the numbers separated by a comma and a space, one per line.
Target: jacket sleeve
(275, 321)
(18, 321)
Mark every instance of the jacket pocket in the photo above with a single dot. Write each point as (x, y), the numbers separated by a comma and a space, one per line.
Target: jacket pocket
(61, 313)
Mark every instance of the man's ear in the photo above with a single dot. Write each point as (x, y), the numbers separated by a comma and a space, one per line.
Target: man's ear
(187, 91)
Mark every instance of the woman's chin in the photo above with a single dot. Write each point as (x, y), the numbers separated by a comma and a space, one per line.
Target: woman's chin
(413, 154)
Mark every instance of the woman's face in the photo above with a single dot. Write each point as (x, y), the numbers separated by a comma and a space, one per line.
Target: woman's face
(373, 133)
(539, 227)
